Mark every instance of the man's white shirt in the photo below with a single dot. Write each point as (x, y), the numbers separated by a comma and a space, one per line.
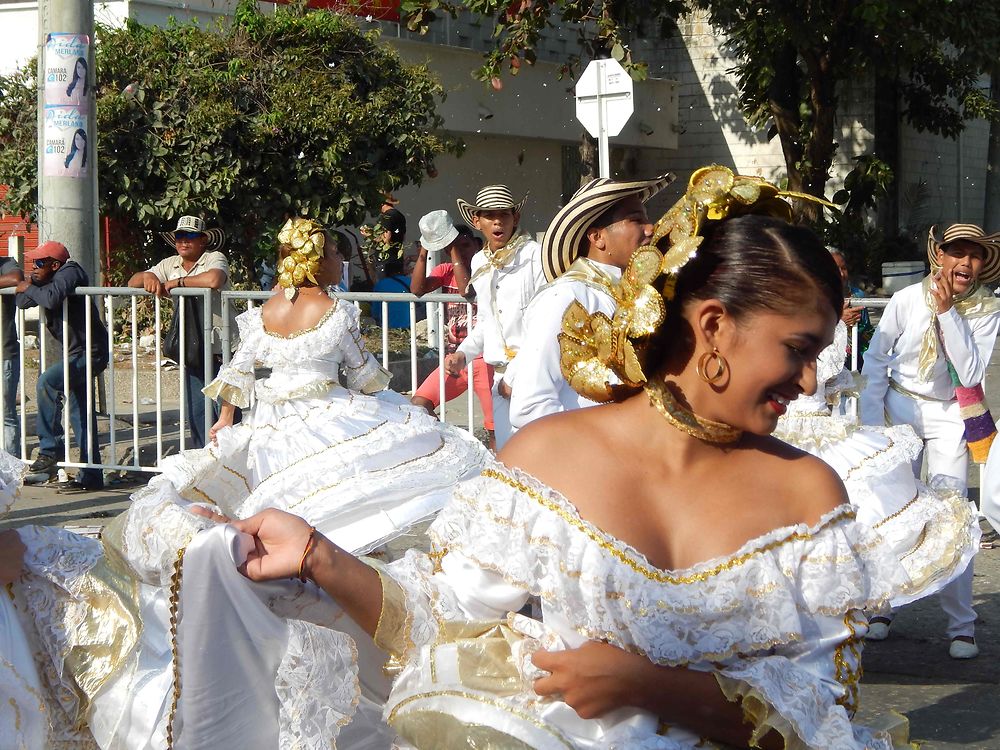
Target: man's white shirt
(502, 298)
(895, 350)
(539, 388)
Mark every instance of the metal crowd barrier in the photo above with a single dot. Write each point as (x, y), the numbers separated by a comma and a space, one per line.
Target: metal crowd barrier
(436, 306)
(104, 401)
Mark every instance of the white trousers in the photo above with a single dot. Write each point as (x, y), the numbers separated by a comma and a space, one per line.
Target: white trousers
(989, 493)
(502, 429)
(939, 424)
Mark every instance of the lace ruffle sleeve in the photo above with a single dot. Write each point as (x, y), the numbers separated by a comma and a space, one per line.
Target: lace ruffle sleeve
(360, 370)
(235, 380)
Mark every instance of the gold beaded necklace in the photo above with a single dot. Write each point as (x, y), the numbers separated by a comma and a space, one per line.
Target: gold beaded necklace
(686, 420)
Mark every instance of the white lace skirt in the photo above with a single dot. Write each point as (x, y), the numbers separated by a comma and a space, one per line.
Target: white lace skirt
(181, 649)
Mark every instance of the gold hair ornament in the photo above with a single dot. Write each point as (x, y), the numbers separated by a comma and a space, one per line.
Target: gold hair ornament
(601, 357)
(306, 239)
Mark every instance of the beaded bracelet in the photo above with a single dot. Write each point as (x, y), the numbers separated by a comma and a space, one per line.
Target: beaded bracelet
(310, 543)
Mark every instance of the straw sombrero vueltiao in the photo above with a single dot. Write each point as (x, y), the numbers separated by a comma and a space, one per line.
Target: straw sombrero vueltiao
(562, 240)
(970, 233)
(216, 237)
(490, 198)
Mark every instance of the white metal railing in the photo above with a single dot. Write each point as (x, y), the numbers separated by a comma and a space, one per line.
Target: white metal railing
(110, 300)
(435, 305)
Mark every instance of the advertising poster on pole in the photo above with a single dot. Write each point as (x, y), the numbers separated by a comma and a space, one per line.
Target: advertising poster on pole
(68, 78)
(66, 142)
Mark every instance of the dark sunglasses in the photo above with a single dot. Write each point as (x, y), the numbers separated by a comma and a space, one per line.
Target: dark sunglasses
(186, 235)
(42, 262)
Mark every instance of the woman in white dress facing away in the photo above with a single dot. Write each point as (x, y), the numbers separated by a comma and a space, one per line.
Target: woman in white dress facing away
(699, 582)
(151, 638)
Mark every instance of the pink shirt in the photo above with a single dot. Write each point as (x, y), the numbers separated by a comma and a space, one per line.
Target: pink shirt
(456, 317)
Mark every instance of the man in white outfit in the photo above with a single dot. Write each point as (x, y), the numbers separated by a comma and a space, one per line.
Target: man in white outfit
(934, 335)
(505, 275)
(585, 249)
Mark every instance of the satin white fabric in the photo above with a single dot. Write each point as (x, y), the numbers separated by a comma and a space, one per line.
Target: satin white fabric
(502, 297)
(271, 666)
(895, 348)
(781, 616)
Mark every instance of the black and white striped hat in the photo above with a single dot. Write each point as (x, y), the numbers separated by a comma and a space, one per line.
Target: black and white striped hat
(196, 225)
(562, 240)
(490, 198)
(970, 233)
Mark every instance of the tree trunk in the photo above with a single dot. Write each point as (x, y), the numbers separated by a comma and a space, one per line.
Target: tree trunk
(821, 146)
(783, 102)
(991, 209)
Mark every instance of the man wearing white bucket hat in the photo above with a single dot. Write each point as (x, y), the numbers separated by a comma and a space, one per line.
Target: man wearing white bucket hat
(931, 346)
(197, 262)
(505, 275)
(439, 234)
(584, 251)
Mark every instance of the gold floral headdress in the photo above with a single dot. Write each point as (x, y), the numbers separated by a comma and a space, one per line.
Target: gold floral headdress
(595, 350)
(306, 239)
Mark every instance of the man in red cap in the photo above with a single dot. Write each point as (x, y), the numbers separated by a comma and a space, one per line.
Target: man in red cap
(54, 278)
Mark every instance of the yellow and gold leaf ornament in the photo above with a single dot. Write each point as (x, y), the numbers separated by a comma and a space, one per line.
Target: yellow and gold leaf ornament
(307, 238)
(596, 350)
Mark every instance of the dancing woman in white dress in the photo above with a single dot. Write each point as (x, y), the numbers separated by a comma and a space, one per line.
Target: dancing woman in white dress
(698, 580)
(151, 638)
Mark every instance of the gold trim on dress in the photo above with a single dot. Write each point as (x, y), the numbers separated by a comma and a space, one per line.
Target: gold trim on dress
(295, 334)
(653, 573)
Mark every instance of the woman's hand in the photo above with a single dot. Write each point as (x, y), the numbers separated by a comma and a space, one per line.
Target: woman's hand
(593, 679)
(943, 291)
(11, 557)
(225, 420)
(279, 541)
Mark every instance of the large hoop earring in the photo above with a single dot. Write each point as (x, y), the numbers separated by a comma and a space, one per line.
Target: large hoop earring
(721, 366)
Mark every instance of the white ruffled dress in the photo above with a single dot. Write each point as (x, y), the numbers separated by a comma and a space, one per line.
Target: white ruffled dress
(779, 623)
(932, 530)
(152, 636)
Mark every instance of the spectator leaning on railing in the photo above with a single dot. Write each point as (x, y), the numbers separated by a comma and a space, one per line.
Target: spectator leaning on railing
(10, 276)
(54, 278)
(198, 263)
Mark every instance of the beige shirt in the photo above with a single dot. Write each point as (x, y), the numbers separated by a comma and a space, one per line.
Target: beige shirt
(172, 267)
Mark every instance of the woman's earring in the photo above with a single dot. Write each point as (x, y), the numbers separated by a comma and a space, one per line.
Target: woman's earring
(704, 362)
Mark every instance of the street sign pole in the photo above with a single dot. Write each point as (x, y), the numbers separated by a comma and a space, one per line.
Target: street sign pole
(67, 133)
(603, 158)
(604, 104)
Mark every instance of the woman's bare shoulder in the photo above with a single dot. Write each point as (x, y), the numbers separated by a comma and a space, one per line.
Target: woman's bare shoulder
(283, 317)
(809, 485)
(557, 444)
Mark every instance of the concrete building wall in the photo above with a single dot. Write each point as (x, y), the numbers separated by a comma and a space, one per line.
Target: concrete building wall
(954, 173)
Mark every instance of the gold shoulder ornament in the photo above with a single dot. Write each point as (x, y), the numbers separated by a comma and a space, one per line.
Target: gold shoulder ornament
(601, 357)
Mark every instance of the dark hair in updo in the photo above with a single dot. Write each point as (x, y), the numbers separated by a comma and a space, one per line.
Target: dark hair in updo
(753, 264)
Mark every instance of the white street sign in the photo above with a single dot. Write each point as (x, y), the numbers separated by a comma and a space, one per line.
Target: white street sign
(604, 103)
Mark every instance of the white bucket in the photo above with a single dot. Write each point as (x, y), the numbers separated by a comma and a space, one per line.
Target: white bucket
(900, 274)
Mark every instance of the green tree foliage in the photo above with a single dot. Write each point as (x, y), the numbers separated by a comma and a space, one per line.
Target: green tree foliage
(278, 115)
(792, 58)
(601, 29)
